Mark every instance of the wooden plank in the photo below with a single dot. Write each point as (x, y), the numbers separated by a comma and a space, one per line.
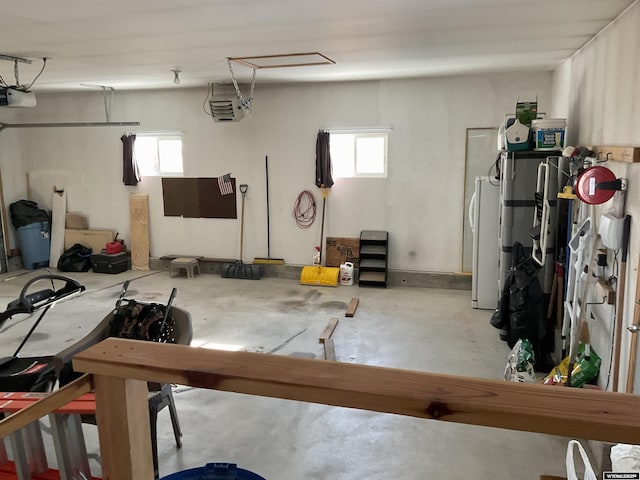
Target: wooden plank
(633, 347)
(139, 218)
(619, 311)
(551, 477)
(340, 250)
(122, 415)
(58, 221)
(570, 412)
(43, 407)
(329, 350)
(328, 330)
(201, 258)
(353, 306)
(617, 153)
(35, 396)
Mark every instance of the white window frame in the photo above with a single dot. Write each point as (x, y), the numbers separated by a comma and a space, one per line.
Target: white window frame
(158, 172)
(364, 133)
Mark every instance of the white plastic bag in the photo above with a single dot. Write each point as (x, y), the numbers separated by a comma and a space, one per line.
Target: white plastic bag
(571, 466)
(520, 363)
(625, 458)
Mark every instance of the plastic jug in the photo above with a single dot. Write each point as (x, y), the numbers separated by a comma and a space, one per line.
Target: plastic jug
(346, 273)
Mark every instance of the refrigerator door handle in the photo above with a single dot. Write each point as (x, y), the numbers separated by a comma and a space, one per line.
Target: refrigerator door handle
(472, 207)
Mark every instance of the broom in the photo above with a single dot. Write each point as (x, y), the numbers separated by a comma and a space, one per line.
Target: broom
(268, 260)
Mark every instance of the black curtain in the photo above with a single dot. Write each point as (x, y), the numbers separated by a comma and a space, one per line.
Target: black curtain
(130, 172)
(323, 161)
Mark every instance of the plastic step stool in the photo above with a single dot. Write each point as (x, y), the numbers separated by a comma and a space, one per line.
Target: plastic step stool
(190, 265)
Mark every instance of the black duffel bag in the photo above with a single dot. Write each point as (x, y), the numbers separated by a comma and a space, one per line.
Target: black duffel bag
(76, 258)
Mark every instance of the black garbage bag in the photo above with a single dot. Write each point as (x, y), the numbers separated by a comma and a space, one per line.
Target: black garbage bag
(521, 312)
(26, 212)
(76, 258)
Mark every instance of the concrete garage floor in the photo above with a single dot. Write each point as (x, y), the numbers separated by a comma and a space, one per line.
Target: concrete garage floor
(413, 328)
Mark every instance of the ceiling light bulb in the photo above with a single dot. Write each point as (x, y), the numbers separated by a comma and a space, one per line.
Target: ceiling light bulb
(176, 76)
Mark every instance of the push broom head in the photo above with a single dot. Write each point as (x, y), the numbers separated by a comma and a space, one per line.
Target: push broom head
(268, 261)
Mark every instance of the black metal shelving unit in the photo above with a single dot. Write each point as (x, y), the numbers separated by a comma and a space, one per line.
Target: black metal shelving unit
(374, 251)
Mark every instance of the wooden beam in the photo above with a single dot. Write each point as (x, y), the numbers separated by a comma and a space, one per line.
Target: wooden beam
(577, 413)
(328, 330)
(329, 350)
(122, 414)
(633, 347)
(353, 306)
(617, 153)
(46, 405)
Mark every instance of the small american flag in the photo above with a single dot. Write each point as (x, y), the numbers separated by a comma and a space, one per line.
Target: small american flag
(225, 185)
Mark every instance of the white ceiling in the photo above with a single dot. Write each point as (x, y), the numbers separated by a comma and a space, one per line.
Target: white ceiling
(134, 44)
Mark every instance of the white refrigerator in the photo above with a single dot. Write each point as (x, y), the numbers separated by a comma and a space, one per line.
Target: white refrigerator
(485, 224)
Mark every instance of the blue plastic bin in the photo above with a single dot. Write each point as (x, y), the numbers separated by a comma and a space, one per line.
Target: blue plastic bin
(215, 471)
(35, 244)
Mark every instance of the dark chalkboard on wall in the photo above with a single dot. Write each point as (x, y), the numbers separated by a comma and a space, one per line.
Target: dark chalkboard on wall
(197, 198)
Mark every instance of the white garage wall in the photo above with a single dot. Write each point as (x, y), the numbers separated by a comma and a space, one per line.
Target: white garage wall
(420, 204)
(12, 166)
(598, 90)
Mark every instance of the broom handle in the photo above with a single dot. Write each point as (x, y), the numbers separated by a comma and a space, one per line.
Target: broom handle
(243, 190)
(242, 228)
(266, 168)
(620, 307)
(324, 203)
(618, 326)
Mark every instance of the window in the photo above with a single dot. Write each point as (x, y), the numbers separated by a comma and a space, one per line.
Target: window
(159, 155)
(361, 153)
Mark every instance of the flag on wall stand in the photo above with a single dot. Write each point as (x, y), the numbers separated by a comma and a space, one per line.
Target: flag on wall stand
(225, 185)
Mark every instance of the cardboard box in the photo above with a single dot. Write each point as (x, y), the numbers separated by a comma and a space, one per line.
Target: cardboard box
(95, 239)
(340, 250)
(75, 221)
